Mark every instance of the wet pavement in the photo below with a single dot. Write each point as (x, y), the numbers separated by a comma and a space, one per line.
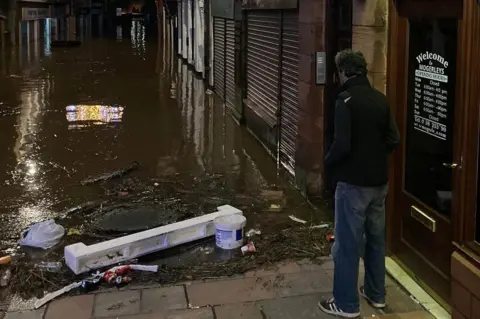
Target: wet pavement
(282, 291)
(67, 114)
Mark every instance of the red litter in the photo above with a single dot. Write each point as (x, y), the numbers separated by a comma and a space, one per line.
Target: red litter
(330, 238)
(249, 248)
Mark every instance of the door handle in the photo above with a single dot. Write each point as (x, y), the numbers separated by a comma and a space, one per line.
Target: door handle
(450, 165)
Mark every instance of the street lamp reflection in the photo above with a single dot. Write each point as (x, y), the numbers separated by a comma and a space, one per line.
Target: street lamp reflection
(93, 114)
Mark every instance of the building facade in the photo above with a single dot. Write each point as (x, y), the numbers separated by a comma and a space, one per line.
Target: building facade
(272, 63)
(32, 17)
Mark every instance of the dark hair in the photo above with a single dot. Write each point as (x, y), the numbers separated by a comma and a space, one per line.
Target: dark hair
(351, 62)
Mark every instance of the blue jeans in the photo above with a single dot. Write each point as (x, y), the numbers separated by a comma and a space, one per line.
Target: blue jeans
(359, 232)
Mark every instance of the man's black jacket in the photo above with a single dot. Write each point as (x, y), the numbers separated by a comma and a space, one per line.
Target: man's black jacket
(365, 133)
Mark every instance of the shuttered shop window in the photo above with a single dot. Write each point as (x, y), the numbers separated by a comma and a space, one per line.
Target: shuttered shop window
(263, 59)
(219, 57)
(230, 63)
(289, 89)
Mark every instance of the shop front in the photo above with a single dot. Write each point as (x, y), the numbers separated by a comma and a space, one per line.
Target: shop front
(433, 87)
(32, 20)
(227, 19)
(272, 102)
(186, 35)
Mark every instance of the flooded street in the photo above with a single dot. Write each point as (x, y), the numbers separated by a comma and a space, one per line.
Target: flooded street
(67, 114)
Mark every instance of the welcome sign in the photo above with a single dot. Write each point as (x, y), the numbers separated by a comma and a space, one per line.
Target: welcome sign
(431, 94)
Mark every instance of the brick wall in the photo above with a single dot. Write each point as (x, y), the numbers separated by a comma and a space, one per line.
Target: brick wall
(370, 37)
(465, 288)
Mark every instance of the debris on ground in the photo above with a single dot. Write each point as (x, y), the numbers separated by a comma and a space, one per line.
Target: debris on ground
(174, 199)
(272, 195)
(298, 220)
(56, 294)
(326, 225)
(5, 260)
(43, 235)
(249, 248)
(82, 209)
(330, 238)
(73, 231)
(275, 208)
(108, 176)
(107, 276)
(5, 279)
(49, 266)
(291, 243)
(253, 232)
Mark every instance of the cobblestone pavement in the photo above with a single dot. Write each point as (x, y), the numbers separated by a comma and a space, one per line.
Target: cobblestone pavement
(287, 290)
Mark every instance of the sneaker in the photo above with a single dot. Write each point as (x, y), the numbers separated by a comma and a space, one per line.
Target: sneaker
(374, 304)
(329, 306)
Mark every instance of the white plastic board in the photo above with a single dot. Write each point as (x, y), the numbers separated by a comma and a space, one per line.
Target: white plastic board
(81, 258)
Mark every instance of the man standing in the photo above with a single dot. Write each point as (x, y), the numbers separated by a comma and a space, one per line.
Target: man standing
(365, 133)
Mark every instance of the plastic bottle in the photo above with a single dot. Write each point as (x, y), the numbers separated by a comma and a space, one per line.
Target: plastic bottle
(49, 266)
(5, 260)
(6, 278)
(12, 259)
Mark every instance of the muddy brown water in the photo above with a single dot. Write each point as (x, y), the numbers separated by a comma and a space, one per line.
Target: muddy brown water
(155, 111)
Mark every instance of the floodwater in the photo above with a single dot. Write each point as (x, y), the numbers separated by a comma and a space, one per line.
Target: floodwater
(70, 113)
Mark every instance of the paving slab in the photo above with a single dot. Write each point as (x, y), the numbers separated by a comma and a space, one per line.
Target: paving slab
(121, 303)
(398, 301)
(238, 311)
(302, 283)
(163, 299)
(300, 307)
(304, 307)
(141, 316)
(230, 291)
(79, 307)
(31, 314)
(328, 264)
(361, 277)
(408, 315)
(202, 313)
(286, 267)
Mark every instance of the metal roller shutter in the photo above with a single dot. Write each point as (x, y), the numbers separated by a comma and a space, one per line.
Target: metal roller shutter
(230, 63)
(263, 60)
(289, 89)
(219, 57)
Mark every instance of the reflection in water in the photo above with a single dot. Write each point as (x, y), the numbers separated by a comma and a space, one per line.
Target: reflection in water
(119, 33)
(98, 114)
(137, 33)
(29, 170)
(47, 37)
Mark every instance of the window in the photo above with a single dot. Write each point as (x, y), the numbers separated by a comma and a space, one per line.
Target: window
(431, 98)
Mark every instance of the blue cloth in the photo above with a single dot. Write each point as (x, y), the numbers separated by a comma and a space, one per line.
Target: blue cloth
(359, 232)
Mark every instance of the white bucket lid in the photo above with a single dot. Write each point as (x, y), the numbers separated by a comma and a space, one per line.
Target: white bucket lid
(231, 222)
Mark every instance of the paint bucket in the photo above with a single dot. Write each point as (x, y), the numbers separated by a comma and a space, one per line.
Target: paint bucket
(229, 231)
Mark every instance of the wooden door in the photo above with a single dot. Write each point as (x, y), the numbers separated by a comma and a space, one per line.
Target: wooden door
(426, 190)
